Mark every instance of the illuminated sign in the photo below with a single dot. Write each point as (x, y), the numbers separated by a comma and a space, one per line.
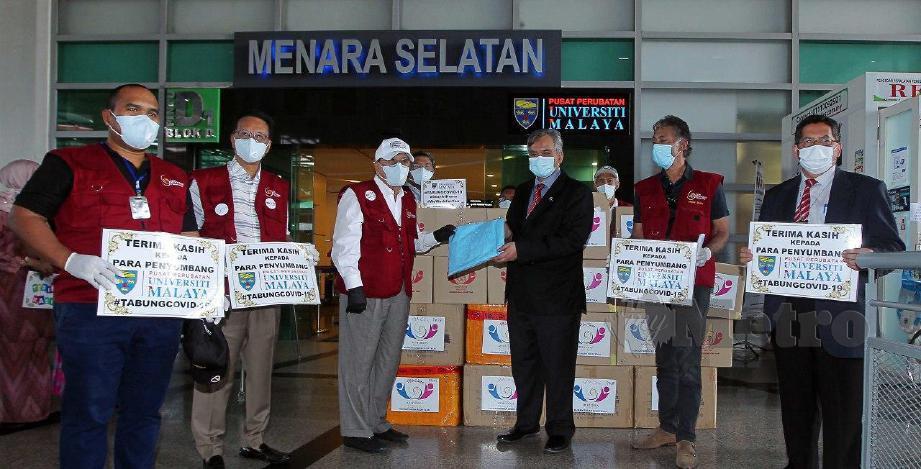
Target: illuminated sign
(193, 115)
(397, 58)
(590, 114)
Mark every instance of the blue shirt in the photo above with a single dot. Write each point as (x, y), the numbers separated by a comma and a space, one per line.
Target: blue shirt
(547, 182)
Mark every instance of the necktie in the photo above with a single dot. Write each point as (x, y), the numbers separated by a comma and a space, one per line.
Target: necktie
(802, 212)
(537, 196)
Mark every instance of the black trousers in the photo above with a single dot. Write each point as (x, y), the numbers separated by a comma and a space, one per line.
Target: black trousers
(818, 391)
(544, 350)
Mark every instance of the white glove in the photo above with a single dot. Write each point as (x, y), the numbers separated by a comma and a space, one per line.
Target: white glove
(217, 319)
(312, 254)
(98, 272)
(703, 255)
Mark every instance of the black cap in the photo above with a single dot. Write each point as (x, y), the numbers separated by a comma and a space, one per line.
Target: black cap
(205, 346)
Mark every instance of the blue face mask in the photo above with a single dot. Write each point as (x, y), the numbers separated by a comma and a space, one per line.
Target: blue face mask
(542, 166)
(662, 155)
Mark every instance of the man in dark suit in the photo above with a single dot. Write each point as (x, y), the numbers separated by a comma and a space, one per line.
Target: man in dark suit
(818, 344)
(550, 220)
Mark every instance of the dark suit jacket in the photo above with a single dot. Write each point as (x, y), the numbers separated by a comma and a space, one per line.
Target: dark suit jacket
(854, 198)
(547, 277)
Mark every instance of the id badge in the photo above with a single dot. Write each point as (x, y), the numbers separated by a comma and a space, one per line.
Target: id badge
(140, 210)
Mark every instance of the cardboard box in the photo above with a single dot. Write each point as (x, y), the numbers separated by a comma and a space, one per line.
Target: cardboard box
(435, 218)
(595, 278)
(487, 335)
(426, 220)
(495, 284)
(463, 289)
(426, 395)
(717, 348)
(490, 397)
(493, 213)
(728, 292)
(434, 336)
(603, 397)
(646, 399)
(599, 241)
(423, 270)
(634, 341)
(623, 222)
(597, 341)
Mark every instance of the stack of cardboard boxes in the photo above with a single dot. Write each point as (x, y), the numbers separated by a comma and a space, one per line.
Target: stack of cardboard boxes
(459, 326)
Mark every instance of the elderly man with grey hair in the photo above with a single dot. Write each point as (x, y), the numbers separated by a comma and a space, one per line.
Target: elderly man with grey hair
(549, 221)
(607, 181)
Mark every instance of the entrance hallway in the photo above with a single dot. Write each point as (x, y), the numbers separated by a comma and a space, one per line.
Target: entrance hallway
(305, 420)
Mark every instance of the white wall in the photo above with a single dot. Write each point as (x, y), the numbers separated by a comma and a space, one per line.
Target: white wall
(25, 58)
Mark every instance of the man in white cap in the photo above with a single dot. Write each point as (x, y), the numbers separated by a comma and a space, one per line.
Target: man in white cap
(374, 242)
(607, 181)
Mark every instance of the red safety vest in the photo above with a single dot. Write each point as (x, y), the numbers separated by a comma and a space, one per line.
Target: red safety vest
(271, 205)
(387, 250)
(99, 199)
(692, 216)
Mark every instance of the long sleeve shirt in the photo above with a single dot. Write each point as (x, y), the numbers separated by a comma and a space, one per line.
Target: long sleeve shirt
(347, 232)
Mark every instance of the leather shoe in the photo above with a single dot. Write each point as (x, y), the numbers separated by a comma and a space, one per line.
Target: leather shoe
(515, 434)
(214, 462)
(556, 444)
(265, 453)
(392, 435)
(368, 445)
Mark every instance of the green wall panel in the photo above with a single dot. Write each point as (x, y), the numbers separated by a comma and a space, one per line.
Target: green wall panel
(839, 62)
(107, 62)
(200, 61)
(597, 60)
(81, 109)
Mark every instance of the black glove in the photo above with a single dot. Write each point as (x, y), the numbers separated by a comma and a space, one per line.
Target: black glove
(443, 234)
(356, 301)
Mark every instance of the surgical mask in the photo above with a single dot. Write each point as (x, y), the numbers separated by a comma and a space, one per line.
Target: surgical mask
(542, 166)
(817, 159)
(505, 203)
(138, 132)
(250, 149)
(662, 155)
(395, 175)
(421, 175)
(607, 189)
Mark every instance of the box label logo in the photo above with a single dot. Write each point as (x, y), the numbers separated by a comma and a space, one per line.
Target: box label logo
(425, 333)
(414, 395)
(594, 396)
(498, 393)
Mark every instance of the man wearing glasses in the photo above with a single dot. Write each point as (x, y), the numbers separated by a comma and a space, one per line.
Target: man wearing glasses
(422, 169)
(680, 204)
(375, 240)
(818, 345)
(241, 202)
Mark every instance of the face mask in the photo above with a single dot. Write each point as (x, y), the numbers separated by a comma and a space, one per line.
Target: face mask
(662, 155)
(817, 159)
(138, 132)
(395, 175)
(505, 203)
(608, 190)
(250, 149)
(542, 166)
(421, 175)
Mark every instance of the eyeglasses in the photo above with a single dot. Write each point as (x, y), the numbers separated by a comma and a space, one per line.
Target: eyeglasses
(545, 153)
(258, 136)
(809, 141)
(404, 162)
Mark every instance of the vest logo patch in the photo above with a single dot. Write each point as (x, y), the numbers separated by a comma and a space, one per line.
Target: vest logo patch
(221, 209)
(167, 182)
(371, 196)
(270, 203)
(410, 215)
(692, 196)
(271, 193)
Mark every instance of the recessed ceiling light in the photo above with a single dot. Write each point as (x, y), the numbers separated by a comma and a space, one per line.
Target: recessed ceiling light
(489, 175)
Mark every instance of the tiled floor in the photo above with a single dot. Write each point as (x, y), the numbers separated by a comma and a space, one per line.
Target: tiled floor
(305, 419)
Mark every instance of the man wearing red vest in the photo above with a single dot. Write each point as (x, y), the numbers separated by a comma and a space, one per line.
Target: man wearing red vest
(110, 362)
(680, 204)
(241, 202)
(374, 243)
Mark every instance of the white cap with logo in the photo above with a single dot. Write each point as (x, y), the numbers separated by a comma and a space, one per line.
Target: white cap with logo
(390, 148)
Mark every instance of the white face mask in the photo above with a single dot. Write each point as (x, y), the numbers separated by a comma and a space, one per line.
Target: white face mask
(505, 203)
(421, 175)
(138, 132)
(608, 190)
(395, 175)
(817, 159)
(249, 149)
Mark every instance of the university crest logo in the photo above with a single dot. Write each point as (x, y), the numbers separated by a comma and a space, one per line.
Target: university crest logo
(247, 280)
(623, 273)
(526, 111)
(766, 264)
(126, 281)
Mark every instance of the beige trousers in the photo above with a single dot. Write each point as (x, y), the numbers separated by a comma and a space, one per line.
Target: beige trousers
(251, 335)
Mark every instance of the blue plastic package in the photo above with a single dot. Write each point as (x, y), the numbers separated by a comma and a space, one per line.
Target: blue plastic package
(475, 244)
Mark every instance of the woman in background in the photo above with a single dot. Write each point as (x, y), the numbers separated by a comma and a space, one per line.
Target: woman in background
(25, 334)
